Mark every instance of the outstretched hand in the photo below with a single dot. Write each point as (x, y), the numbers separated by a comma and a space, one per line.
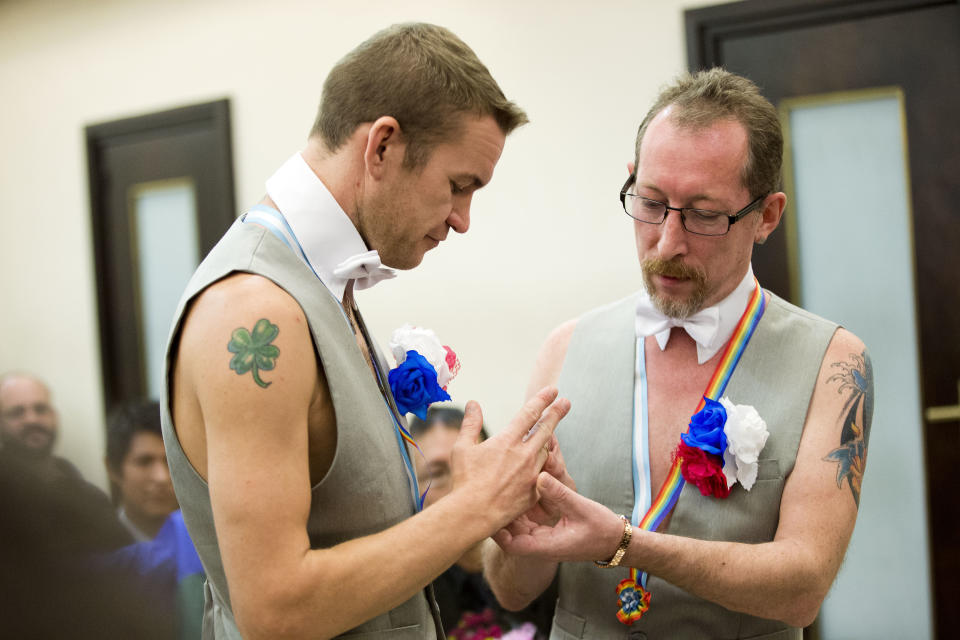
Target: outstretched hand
(500, 474)
(574, 528)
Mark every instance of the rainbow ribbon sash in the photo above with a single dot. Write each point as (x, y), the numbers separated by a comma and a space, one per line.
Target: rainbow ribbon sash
(632, 597)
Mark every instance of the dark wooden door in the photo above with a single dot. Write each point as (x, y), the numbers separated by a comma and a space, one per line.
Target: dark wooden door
(188, 146)
(795, 48)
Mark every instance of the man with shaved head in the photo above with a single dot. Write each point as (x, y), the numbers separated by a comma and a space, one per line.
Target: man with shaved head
(54, 528)
(28, 421)
(50, 487)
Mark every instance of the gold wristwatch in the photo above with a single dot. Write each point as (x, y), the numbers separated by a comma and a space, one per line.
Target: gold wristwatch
(622, 549)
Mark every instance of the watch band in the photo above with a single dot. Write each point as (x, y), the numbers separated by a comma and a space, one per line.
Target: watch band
(622, 549)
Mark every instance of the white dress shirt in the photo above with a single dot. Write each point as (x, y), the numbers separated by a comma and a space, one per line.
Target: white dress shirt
(330, 242)
(710, 327)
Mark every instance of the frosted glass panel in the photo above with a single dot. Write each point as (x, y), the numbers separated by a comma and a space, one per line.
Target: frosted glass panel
(165, 229)
(856, 267)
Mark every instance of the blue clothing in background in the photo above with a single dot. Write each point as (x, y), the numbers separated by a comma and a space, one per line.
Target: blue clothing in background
(170, 568)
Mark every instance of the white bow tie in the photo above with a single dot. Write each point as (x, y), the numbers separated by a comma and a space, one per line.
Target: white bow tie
(701, 326)
(364, 269)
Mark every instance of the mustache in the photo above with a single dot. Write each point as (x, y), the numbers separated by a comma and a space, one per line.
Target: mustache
(37, 428)
(672, 269)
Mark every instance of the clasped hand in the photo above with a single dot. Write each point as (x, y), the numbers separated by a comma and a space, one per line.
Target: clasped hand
(562, 526)
(499, 476)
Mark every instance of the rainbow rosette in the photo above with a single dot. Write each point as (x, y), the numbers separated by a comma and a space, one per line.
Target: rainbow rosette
(633, 599)
(424, 369)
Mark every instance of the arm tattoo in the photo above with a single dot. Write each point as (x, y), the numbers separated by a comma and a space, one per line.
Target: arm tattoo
(856, 378)
(253, 352)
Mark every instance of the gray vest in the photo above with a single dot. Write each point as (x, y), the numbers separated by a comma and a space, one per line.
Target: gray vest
(776, 374)
(366, 489)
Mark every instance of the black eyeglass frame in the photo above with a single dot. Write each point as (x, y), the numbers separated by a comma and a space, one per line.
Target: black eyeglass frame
(733, 218)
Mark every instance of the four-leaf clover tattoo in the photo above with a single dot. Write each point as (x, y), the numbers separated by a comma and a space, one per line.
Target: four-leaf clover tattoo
(253, 350)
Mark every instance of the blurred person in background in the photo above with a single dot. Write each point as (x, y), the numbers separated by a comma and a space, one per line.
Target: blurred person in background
(467, 605)
(137, 467)
(54, 528)
(29, 425)
(163, 562)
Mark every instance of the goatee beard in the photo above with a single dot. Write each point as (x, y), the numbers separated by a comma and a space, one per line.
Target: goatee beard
(28, 452)
(668, 306)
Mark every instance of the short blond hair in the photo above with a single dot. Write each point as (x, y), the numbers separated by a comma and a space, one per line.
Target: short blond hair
(421, 74)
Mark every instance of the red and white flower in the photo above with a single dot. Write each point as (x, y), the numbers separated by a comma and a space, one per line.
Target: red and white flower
(425, 342)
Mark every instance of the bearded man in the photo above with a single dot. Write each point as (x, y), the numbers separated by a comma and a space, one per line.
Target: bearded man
(734, 526)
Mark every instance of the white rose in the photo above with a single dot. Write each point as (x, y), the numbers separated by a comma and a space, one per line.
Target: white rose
(746, 435)
(424, 342)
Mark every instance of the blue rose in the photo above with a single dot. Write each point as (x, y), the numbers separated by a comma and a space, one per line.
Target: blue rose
(414, 385)
(706, 428)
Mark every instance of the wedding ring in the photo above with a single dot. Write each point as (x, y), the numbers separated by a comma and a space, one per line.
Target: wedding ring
(533, 430)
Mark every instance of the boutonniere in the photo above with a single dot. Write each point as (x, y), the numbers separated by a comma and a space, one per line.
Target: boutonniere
(424, 369)
(722, 447)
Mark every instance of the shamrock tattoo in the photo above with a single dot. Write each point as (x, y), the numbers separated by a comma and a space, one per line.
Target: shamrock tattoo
(254, 352)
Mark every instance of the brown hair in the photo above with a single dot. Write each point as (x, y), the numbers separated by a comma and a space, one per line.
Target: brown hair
(422, 75)
(704, 97)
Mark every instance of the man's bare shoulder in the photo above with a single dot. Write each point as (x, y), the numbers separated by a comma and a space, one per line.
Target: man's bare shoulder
(237, 297)
(559, 339)
(553, 352)
(550, 359)
(244, 319)
(845, 377)
(837, 431)
(844, 342)
(238, 291)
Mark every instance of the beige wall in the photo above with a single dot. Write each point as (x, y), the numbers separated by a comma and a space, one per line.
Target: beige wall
(548, 239)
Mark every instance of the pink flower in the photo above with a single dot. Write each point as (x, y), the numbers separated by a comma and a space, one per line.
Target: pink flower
(453, 362)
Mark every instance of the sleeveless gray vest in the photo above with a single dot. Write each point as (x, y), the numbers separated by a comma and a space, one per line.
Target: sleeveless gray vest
(366, 489)
(776, 374)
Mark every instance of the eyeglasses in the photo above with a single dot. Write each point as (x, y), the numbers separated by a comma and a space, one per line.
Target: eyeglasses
(701, 222)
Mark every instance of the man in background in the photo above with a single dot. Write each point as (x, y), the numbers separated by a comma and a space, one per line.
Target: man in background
(136, 464)
(54, 531)
(462, 594)
(163, 563)
(29, 425)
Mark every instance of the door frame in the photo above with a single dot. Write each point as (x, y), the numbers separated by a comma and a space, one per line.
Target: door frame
(707, 31)
(215, 216)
